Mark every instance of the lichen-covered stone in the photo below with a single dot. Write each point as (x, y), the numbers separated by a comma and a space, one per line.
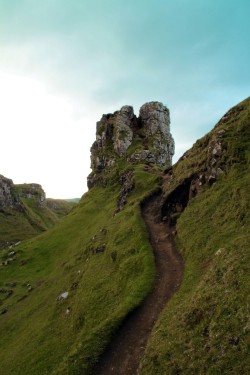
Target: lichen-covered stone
(124, 130)
(155, 121)
(127, 185)
(7, 197)
(11, 195)
(143, 156)
(121, 135)
(32, 191)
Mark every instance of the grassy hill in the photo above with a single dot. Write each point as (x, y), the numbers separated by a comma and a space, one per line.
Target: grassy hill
(103, 261)
(32, 215)
(205, 329)
(103, 264)
(61, 207)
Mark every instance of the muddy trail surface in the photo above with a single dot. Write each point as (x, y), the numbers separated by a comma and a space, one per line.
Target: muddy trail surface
(123, 355)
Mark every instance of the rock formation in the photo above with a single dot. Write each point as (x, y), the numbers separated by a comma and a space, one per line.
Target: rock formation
(7, 196)
(156, 123)
(121, 135)
(25, 212)
(11, 195)
(32, 191)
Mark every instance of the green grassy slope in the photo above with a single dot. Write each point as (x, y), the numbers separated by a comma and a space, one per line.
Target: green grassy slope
(15, 226)
(73, 200)
(104, 262)
(19, 225)
(61, 207)
(205, 328)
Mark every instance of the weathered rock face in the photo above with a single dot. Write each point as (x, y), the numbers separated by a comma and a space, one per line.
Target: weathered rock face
(146, 139)
(124, 130)
(32, 191)
(10, 194)
(127, 185)
(156, 123)
(7, 198)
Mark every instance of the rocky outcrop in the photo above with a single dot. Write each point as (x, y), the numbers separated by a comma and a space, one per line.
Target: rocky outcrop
(155, 120)
(121, 135)
(8, 199)
(127, 185)
(32, 191)
(209, 163)
(15, 196)
(11, 195)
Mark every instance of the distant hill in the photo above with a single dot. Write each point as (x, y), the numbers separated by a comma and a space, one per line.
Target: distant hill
(61, 207)
(25, 211)
(74, 200)
(66, 292)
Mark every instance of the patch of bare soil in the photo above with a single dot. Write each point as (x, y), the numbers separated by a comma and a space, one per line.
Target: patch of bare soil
(123, 355)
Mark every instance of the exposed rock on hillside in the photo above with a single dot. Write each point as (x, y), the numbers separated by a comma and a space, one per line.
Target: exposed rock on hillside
(121, 135)
(32, 191)
(213, 235)
(25, 211)
(7, 196)
(11, 195)
(155, 119)
(127, 185)
(200, 167)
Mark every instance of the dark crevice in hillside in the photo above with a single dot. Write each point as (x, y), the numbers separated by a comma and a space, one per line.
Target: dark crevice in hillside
(178, 199)
(123, 355)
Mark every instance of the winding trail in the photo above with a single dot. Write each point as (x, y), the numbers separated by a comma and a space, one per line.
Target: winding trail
(123, 355)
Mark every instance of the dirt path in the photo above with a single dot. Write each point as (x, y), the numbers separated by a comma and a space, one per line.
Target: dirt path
(123, 355)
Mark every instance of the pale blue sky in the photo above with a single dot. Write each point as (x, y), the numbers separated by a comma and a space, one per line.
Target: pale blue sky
(84, 58)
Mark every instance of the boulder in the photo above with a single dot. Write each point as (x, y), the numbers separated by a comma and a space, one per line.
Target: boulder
(63, 296)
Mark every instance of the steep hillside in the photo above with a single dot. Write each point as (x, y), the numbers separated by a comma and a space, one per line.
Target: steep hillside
(25, 211)
(61, 207)
(69, 289)
(105, 264)
(205, 328)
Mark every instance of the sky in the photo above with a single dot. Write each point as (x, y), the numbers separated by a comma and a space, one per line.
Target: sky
(65, 63)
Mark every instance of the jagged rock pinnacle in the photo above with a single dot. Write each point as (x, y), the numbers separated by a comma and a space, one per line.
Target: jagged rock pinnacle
(146, 139)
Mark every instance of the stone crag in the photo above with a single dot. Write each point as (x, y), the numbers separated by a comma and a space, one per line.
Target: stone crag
(11, 195)
(32, 191)
(121, 135)
(8, 198)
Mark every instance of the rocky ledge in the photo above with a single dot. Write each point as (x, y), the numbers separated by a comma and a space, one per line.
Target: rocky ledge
(7, 196)
(121, 135)
(32, 191)
(10, 194)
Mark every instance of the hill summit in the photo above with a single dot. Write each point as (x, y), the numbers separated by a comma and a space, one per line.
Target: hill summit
(123, 136)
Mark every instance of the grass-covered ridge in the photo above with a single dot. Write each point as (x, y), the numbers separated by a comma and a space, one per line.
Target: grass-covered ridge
(105, 263)
(205, 329)
(32, 216)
